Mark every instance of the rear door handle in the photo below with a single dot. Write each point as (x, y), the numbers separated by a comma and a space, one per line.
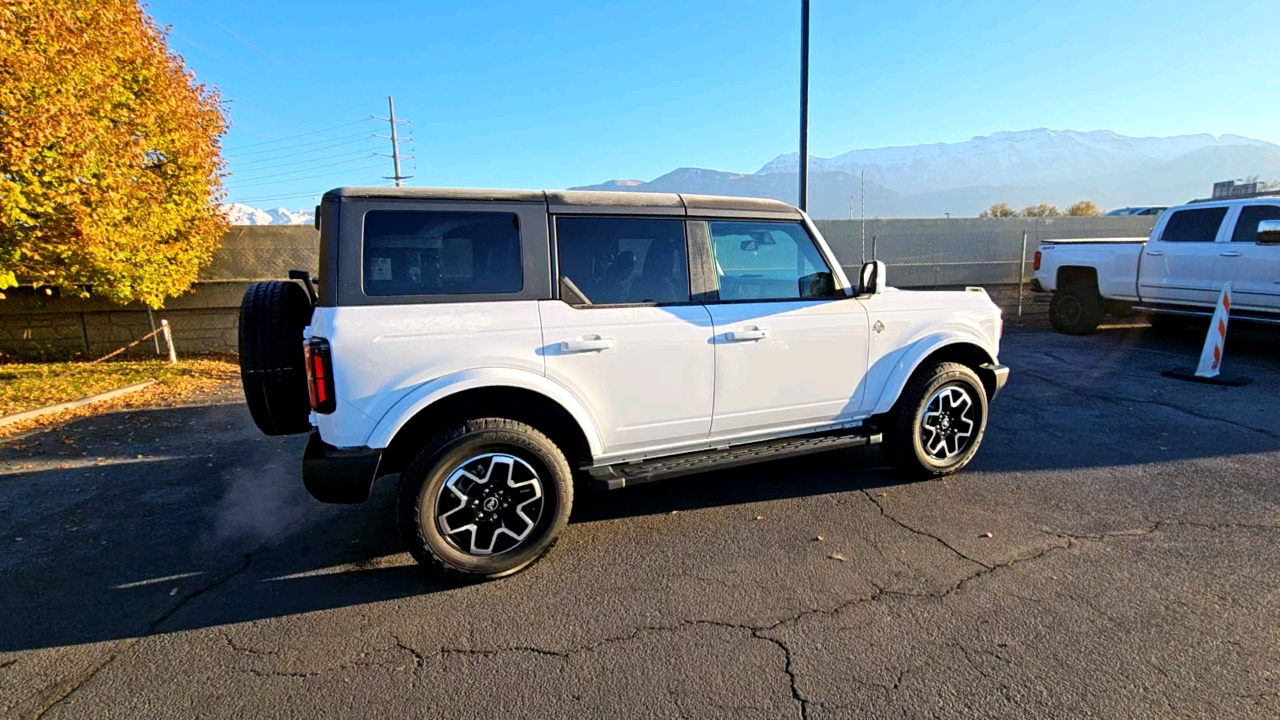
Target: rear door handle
(1230, 253)
(1155, 253)
(747, 335)
(586, 344)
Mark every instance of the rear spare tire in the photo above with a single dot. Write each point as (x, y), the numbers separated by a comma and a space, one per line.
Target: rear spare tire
(272, 368)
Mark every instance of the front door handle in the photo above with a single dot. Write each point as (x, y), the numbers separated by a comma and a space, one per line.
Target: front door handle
(1229, 253)
(586, 344)
(1155, 253)
(747, 335)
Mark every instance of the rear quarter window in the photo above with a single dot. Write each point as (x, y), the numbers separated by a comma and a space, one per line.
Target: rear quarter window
(415, 252)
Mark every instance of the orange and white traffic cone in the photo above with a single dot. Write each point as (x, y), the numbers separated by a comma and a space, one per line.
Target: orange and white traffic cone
(1215, 343)
(1215, 348)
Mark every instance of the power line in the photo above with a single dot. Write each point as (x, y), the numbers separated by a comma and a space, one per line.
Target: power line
(308, 160)
(305, 134)
(307, 170)
(362, 138)
(277, 182)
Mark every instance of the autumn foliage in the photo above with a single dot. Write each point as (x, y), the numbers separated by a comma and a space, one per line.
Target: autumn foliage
(110, 169)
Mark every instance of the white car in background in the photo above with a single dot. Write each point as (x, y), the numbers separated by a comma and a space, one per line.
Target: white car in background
(1175, 274)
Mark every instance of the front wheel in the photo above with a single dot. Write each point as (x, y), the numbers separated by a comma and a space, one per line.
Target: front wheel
(937, 424)
(484, 499)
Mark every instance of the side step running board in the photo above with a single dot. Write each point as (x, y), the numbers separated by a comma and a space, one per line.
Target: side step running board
(613, 477)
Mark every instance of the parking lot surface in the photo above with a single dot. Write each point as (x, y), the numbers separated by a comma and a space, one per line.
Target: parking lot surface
(1114, 551)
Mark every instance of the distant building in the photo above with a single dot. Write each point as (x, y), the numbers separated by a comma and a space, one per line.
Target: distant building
(1232, 189)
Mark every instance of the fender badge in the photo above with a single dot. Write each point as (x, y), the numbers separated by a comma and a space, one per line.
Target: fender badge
(878, 327)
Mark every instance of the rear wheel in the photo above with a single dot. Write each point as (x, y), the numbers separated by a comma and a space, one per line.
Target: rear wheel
(1076, 309)
(937, 424)
(484, 499)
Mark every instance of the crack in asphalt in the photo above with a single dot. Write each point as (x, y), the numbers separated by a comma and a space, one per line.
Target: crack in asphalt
(60, 692)
(789, 670)
(1147, 401)
(920, 532)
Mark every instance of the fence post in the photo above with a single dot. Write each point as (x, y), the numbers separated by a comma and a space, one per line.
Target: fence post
(168, 340)
(1022, 271)
(873, 247)
(152, 319)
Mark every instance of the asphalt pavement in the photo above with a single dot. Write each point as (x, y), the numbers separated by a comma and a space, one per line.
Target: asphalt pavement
(1113, 552)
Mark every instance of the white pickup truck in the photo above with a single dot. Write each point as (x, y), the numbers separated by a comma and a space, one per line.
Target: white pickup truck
(1175, 274)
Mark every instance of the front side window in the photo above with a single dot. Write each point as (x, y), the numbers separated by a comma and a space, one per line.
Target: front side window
(763, 260)
(621, 261)
(1199, 225)
(441, 253)
(1250, 215)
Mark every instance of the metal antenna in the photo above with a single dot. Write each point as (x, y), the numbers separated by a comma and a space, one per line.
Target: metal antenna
(395, 142)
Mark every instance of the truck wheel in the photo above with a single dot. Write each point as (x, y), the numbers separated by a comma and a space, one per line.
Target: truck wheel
(1076, 310)
(272, 370)
(484, 499)
(937, 424)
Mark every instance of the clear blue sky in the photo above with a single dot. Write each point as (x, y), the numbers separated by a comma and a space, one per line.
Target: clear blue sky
(546, 95)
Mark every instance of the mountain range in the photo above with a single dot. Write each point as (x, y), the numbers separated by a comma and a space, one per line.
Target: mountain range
(1021, 168)
(1025, 167)
(241, 214)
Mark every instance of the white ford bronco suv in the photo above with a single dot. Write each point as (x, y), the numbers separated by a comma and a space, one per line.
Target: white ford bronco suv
(493, 346)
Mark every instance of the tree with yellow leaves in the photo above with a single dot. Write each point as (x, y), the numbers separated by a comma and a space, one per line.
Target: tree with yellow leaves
(1084, 208)
(110, 167)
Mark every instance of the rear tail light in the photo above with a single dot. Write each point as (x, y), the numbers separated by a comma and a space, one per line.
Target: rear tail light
(1036, 264)
(319, 375)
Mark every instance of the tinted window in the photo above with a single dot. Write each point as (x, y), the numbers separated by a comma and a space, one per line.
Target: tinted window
(1194, 225)
(763, 260)
(449, 253)
(610, 261)
(1250, 215)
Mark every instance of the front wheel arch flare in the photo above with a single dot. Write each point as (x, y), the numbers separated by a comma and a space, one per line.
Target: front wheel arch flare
(960, 351)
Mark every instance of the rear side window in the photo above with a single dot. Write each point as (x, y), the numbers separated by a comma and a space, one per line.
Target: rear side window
(621, 261)
(1199, 225)
(441, 253)
(1250, 215)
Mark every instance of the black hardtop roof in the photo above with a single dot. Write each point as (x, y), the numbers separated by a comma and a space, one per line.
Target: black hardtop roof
(683, 203)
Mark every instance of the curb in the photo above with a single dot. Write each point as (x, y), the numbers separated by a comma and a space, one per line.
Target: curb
(72, 404)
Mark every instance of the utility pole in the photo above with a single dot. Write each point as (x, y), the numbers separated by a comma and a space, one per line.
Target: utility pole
(804, 105)
(395, 142)
(864, 211)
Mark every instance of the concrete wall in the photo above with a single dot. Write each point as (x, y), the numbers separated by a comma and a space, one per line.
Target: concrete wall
(920, 253)
(205, 319)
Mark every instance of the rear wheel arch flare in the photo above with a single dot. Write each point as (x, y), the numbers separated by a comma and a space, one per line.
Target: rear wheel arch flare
(515, 403)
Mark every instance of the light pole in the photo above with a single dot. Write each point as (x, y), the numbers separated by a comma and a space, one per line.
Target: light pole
(804, 105)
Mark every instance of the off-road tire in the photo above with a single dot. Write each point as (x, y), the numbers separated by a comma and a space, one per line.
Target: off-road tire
(272, 369)
(1076, 309)
(422, 480)
(902, 445)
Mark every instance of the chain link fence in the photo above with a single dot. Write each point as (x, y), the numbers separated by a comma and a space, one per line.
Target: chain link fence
(963, 251)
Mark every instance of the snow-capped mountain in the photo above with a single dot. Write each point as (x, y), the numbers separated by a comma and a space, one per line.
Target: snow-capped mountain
(1021, 168)
(241, 214)
(1011, 158)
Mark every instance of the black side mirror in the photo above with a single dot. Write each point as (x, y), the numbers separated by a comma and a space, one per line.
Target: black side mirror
(871, 279)
(819, 285)
(1269, 232)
